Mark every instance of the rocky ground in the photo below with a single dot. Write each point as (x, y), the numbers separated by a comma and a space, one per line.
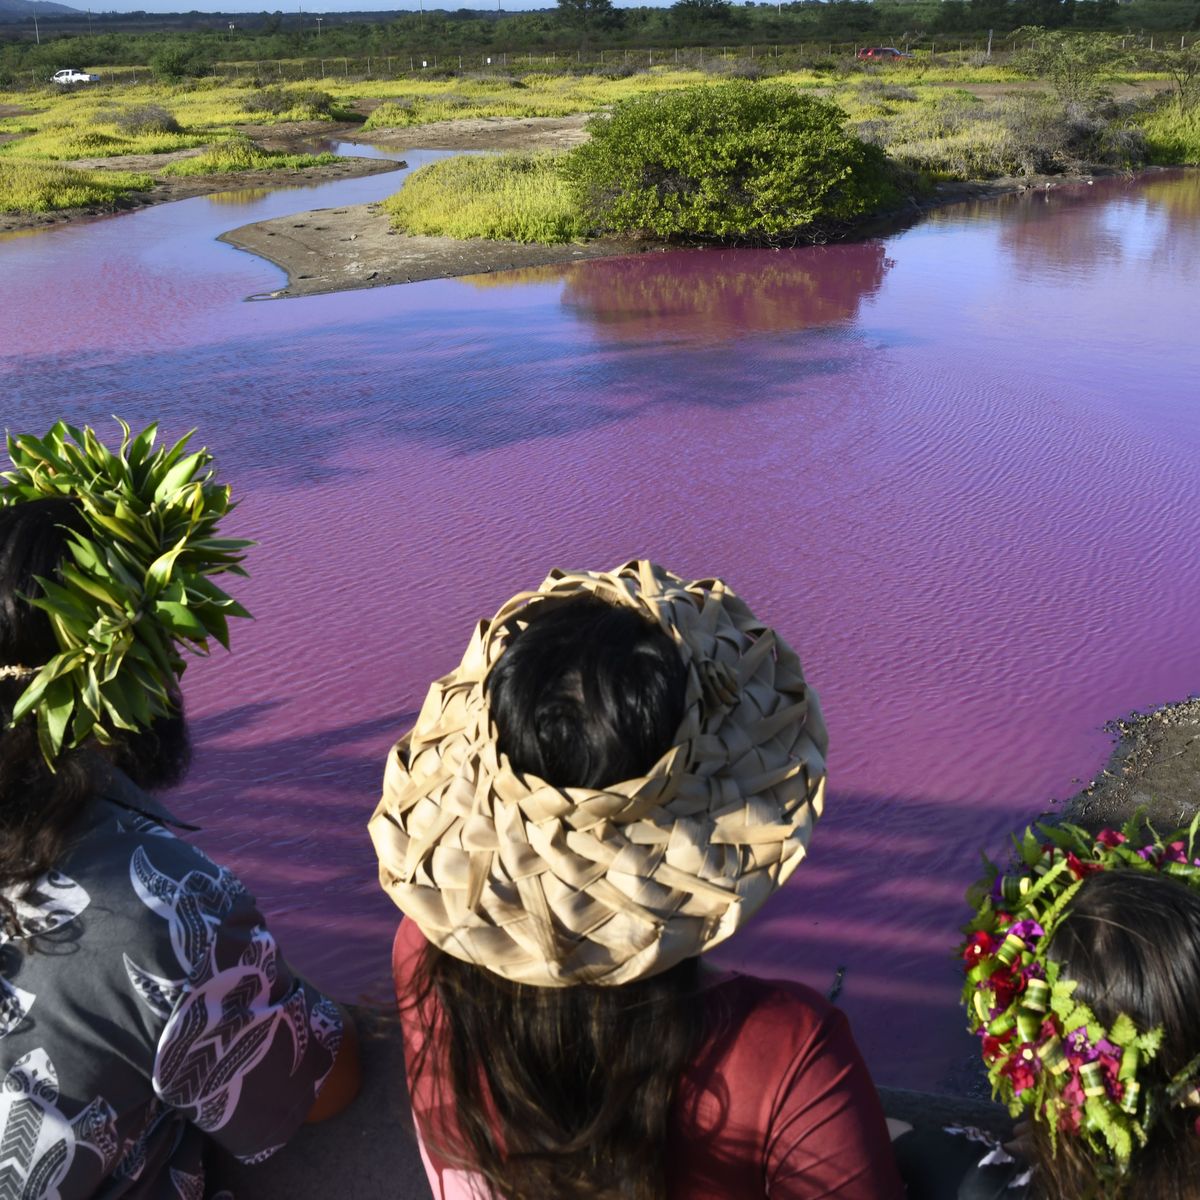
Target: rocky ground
(1155, 766)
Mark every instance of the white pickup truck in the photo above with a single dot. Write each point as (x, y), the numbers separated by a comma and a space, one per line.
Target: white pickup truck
(74, 77)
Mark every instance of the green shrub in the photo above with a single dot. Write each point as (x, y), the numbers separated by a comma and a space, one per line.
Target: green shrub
(514, 197)
(303, 104)
(145, 118)
(733, 161)
(179, 62)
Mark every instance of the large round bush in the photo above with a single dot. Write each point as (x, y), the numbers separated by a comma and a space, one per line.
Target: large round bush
(732, 161)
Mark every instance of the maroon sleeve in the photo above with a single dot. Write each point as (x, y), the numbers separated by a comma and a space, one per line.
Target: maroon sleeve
(827, 1135)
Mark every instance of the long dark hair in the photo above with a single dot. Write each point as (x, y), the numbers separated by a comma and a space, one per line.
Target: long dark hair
(38, 805)
(1132, 941)
(567, 1092)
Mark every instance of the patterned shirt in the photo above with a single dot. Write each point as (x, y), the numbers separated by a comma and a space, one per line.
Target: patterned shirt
(145, 1010)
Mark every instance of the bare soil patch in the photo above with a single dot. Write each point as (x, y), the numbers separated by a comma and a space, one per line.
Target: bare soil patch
(339, 249)
(486, 133)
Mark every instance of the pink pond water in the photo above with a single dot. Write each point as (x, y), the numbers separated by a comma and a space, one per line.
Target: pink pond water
(957, 466)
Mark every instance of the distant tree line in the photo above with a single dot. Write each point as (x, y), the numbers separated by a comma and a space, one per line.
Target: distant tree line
(140, 39)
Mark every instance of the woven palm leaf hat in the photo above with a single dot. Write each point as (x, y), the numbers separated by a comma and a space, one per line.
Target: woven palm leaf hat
(557, 886)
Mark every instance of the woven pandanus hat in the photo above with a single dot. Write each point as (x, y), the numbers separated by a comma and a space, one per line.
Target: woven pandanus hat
(555, 886)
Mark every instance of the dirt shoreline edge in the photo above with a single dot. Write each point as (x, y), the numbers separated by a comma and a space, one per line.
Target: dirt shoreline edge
(343, 249)
(1154, 766)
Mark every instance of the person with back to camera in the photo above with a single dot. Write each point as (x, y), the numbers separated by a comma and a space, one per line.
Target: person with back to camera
(1083, 985)
(621, 770)
(144, 1007)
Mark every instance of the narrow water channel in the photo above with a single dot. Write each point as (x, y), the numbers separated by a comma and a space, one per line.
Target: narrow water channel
(955, 466)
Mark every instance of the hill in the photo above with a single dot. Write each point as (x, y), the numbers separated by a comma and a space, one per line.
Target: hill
(16, 10)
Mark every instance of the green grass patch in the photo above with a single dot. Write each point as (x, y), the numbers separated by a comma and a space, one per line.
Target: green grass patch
(1172, 133)
(35, 187)
(241, 155)
(513, 197)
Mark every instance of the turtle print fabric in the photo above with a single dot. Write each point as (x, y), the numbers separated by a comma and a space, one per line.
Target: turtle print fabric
(145, 1011)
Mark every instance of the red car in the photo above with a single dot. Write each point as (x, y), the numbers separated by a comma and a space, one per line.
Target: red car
(879, 52)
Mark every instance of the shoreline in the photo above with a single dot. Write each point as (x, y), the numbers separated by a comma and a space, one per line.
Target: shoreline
(482, 134)
(1155, 765)
(327, 250)
(353, 247)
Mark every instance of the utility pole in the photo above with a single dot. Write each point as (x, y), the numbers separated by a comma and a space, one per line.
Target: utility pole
(37, 33)
(319, 20)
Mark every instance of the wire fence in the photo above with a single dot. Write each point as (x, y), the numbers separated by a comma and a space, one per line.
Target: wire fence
(949, 52)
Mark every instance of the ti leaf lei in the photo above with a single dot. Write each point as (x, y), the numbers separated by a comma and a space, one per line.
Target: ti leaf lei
(1046, 1053)
(134, 588)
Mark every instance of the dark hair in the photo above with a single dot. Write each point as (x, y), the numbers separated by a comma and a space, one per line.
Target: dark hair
(38, 805)
(1132, 941)
(587, 694)
(567, 1092)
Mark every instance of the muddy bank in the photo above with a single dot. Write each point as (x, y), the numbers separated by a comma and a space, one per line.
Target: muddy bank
(1155, 765)
(339, 249)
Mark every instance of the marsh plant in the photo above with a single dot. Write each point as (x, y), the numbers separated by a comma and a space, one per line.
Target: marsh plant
(958, 136)
(511, 197)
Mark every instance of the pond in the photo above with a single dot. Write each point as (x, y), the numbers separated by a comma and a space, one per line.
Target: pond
(956, 466)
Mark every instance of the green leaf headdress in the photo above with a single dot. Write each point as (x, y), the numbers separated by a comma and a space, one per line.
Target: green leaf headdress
(1047, 1054)
(133, 589)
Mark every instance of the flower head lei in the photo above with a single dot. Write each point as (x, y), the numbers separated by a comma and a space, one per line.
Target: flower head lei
(133, 589)
(1047, 1054)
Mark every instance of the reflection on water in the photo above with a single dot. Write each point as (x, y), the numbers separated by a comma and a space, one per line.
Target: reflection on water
(655, 296)
(240, 195)
(1148, 221)
(956, 467)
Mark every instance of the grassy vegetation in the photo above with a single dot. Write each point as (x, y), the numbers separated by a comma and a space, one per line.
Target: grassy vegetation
(918, 111)
(1172, 133)
(239, 154)
(37, 187)
(514, 197)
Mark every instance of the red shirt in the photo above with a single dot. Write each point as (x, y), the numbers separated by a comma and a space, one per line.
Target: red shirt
(777, 1103)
